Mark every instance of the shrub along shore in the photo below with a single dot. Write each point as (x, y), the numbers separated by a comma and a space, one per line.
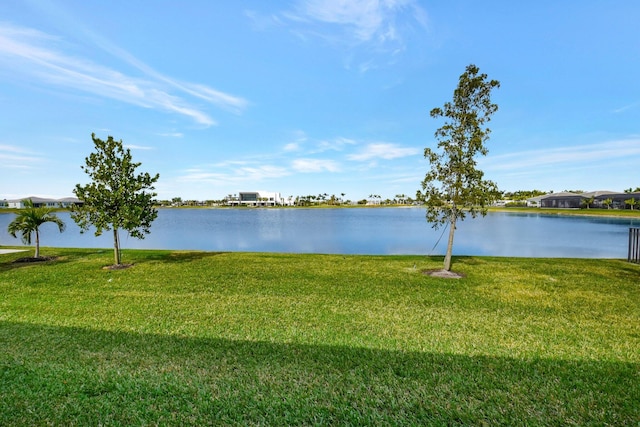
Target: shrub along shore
(200, 338)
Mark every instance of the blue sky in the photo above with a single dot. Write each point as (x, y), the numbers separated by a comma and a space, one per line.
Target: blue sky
(314, 96)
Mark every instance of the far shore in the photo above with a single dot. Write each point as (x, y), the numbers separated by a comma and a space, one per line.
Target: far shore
(612, 213)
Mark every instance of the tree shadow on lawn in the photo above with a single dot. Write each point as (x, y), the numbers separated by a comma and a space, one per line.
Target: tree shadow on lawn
(48, 258)
(188, 256)
(67, 375)
(136, 256)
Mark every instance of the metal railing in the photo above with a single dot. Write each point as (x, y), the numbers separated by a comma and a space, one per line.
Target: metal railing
(634, 245)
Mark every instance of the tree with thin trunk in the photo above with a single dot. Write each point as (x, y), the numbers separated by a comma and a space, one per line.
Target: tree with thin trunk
(631, 202)
(28, 222)
(454, 186)
(117, 198)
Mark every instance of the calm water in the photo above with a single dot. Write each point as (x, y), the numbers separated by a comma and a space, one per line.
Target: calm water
(358, 231)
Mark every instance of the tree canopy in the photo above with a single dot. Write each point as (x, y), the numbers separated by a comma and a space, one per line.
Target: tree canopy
(454, 186)
(116, 198)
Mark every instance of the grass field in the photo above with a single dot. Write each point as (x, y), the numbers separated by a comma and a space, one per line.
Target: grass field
(621, 213)
(203, 338)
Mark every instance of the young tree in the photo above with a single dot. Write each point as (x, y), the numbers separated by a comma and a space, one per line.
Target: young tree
(116, 198)
(588, 202)
(631, 202)
(29, 220)
(454, 186)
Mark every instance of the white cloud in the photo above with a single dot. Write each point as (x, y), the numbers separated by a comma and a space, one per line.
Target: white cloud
(383, 150)
(233, 173)
(33, 53)
(292, 146)
(171, 134)
(12, 157)
(363, 20)
(336, 144)
(137, 147)
(12, 149)
(626, 108)
(380, 28)
(315, 165)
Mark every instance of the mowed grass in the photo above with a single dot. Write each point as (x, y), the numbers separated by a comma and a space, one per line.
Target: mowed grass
(203, 338)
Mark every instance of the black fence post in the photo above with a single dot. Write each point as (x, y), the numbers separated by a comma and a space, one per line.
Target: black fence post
(634, 245)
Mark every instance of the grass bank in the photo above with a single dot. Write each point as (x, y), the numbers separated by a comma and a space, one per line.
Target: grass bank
(622, 213)
(200, 338)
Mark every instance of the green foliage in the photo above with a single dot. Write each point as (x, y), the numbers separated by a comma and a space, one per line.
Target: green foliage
(116, 198)
(523, 195)
(203, 338)
(588, 202)
(28, 221)
(454, 186)
(631, 202)
(519, 204)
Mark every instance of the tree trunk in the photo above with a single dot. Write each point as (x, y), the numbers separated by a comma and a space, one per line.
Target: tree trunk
(452, 230)
(116, 246)
(37, 244)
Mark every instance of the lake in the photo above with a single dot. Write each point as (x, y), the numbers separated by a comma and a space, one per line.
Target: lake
(358, 231)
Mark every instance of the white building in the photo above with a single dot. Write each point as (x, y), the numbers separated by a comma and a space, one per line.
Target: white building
(42, 202)
(257, 198)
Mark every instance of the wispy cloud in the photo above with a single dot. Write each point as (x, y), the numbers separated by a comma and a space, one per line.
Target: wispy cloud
(37, 55)
(383, 150)
(380, 27)
(315, 165)
(292, 146)
(236, 173)
(572, 155)
(12, 157)
(299, 138)
(362, 21)
(626, 108)
(336, 144)
(171, 134)
(137, 147)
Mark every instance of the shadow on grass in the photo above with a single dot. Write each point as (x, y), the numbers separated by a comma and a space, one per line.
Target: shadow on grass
(12, 261)
(182, 256)
(137, 256)
(63, 375)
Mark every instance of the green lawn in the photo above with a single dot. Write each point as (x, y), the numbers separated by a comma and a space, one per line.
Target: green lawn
(623, 213)
(201, 338)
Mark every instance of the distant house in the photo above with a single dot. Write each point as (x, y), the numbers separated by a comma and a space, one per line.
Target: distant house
(563, 200)
(597, 199)
(618, 200)
(534, 202)
(42, 202)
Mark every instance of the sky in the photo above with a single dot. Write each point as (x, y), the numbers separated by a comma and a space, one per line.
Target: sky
(306, 97)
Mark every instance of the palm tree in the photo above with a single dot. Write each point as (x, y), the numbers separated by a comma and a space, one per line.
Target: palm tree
(588, 201)
(631, 202)
(29, 220)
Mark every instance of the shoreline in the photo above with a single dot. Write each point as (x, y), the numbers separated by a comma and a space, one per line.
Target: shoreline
(612, 213)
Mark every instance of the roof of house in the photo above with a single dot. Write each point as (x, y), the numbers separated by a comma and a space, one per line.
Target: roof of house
(599, 193)
(36, 199)
(563, 194)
